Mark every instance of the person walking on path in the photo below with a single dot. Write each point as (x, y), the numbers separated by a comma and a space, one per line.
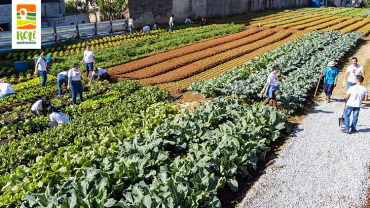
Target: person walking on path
(131, 25)
(41, 68)
(353, 70)
(99, 74)
(272, 86)
(171, 22)
(146, 29)
(5, 89)
(62, 78)
(40, 106)
(330, 75)
(57, 117)
(355, 95)
(89, 58)
(75, 83)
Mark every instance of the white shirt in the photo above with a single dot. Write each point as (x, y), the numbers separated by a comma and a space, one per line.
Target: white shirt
(88, 56)
(59, 117)
(42, 65)
(37, 105)
(63, 73)
(6, 88)
(100, 72)
(130, 21)
(154, 26)
(187, 20)
(353, 71)
(146, 28)
(76, 75)
(273, 79)
(171, 19)
(357, 94)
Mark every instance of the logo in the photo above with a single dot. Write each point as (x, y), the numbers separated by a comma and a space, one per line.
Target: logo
(26, 16)
(26, 24)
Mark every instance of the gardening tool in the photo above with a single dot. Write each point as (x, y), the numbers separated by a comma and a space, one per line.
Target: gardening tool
(318, 83)
(341, 120)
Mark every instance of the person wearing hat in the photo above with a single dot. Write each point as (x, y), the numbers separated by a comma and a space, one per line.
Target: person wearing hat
(330, 75)
(5, 89)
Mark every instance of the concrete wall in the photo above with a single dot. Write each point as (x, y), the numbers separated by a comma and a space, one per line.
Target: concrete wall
(6, 14)
(65, 20)
(148, 11)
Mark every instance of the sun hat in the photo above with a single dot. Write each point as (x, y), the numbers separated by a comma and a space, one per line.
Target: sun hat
(332, 63)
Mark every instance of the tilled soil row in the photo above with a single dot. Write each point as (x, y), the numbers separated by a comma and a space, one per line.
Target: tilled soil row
(205, 64)
(158, 58)
(172, 64)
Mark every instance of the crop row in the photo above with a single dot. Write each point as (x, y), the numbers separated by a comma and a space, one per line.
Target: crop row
(172, 64)
(210, 62)
(282, 23)
(277, 18)
(328, 24)
(343, 24)
(353, 12)
(356, 26)
(314, 23)
(308, 20)
(338, 12)
(158, 58)
(364, 30)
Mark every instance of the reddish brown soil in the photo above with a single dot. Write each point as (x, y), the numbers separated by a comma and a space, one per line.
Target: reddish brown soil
(172, 64)
(158, 58)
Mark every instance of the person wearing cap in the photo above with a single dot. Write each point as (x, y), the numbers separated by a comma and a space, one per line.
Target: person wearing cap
(99, 74)
(355, 95)
(330, 75)
(146, 29)
(62, 78)
(75, 83)
(5, 89)
(40, 106)
(41, 68)
(353, 70)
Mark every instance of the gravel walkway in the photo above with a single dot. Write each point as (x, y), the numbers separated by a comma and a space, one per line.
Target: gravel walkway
(319, 166)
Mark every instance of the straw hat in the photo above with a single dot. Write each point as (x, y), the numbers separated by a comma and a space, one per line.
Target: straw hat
(332, 63)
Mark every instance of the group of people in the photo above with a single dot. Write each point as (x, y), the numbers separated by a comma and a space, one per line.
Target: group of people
(356, 92)
(147, 30)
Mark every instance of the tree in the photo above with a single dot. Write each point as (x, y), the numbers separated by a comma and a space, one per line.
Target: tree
(110, 9)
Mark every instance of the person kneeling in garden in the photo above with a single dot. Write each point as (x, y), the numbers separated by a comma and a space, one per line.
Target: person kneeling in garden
(272, 86)
(40, 106)
(355, 95)
(5, 89)
(99, 74)
(57, 117)
(146, 29)
(331, 74)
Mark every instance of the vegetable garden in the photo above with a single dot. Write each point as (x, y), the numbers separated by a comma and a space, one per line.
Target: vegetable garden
(127, 146)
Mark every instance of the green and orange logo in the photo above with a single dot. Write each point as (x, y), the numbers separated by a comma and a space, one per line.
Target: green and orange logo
(26, 16)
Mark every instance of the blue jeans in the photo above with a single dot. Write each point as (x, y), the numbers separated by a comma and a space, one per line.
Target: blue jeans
(4, 95)
(146, 32)
(349, 84)
(60, 80)
(104, 76)
(76, 88)
(347, 114)
(131, 29)
(44, 77)
(89, 67)
(170, 27)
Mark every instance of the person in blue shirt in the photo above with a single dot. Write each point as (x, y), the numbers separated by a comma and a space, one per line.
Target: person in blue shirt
(330, 75)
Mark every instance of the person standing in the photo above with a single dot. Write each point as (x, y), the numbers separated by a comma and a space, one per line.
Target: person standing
(75, 83)
(99, 74)
(204, 22)
(272, 86)
(355, 95)
(40, 106)
(41, 68)
(171, 22)
(146, 29)
(353, 70)
(5, 89)
(131, 25)
(48, 59)
(331, 74)
(62, 78)
(57, 117)
(89, 58)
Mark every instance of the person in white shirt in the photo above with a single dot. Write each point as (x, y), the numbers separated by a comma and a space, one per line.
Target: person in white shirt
(41, 68)
(131, 25)
(352, 71)
(272, 86)
(171, 22)
(187, 21)
(5, 89)
(39, 107)
(89, 58)
(57, 117)
(99, 74)
(75, 83)
(62, 78)
(155, 26)
(355, 95)
(146, 29)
